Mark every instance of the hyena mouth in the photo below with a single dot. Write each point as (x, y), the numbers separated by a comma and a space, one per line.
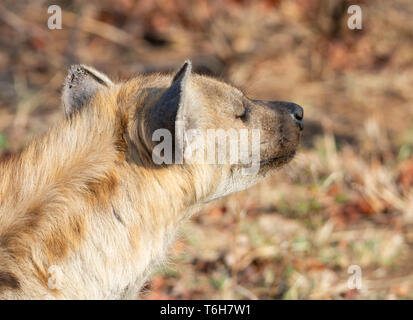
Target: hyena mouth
(280, 160)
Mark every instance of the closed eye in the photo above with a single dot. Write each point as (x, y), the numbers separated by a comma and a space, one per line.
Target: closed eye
(241, 112)
(243, 116)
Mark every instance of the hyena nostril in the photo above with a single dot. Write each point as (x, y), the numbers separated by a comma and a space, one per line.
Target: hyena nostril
(299, 122)
(298, 113)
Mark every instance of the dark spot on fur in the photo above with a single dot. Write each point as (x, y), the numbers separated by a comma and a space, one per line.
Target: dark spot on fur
(8, 280)
(102, 190)
(117, 216)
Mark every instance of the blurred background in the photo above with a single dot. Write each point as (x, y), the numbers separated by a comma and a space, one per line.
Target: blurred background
(347, 198)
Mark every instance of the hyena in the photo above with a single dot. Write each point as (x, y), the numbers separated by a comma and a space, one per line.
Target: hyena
(85, 213)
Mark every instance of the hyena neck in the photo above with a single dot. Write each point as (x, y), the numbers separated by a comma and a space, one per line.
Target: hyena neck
(160, 201)
(165, 197)
(74, 197)
(70, 160)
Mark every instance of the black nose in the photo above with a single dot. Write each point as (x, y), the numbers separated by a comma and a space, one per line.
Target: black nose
(297, 113)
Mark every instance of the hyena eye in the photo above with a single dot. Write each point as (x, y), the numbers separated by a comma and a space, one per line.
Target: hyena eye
(240, 111)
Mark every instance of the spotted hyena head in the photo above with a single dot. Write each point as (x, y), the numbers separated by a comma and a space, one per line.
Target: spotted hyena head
(194, 121)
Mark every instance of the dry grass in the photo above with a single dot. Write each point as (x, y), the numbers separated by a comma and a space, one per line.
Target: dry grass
(345, 200)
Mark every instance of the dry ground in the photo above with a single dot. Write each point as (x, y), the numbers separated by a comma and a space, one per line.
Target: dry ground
(347, 197)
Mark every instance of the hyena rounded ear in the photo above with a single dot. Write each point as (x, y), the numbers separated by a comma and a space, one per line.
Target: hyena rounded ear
(175, 112)
(172, 104)
(80, 85)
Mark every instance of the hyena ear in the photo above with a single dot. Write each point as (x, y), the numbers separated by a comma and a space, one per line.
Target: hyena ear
(80, 85)
(176, 111)
(173, 104)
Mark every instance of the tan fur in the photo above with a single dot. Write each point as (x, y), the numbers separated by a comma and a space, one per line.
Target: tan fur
(87, 198)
